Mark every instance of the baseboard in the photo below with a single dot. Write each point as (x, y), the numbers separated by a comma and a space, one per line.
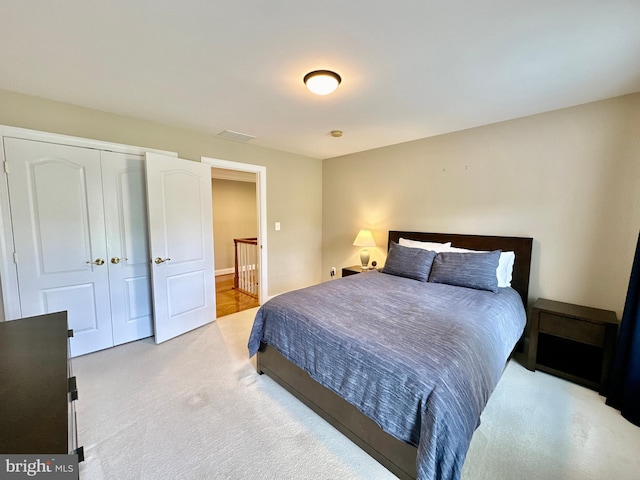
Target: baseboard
(225, 271)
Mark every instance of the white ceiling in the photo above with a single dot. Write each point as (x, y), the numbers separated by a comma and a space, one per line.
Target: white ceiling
(410, 68)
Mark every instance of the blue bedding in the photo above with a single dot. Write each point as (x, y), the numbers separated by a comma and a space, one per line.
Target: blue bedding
(420, 359)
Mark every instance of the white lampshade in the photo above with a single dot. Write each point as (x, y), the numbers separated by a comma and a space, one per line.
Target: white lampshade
(364, 239)
(322, 82)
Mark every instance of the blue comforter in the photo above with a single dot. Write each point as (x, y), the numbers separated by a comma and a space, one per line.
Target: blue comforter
(421, 359)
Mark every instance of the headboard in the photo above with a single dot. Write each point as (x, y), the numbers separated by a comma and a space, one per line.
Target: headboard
(521, 246)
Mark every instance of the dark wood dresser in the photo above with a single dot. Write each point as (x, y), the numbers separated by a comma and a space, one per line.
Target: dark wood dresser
(37, 387)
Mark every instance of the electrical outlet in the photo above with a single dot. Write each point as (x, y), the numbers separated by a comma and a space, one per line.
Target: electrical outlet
(333, 272)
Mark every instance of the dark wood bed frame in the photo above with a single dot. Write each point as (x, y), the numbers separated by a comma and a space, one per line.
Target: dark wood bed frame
(397, 456)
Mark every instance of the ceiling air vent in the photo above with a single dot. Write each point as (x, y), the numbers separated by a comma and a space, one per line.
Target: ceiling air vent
(237, 136)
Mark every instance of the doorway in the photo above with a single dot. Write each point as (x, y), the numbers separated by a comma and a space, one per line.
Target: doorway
(239, 204)
(235, 230)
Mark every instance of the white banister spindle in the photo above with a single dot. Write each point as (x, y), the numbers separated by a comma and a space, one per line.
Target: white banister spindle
(246, 265)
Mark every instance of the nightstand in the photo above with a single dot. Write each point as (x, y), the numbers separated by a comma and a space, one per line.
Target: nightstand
(352, 270)
(572, 342)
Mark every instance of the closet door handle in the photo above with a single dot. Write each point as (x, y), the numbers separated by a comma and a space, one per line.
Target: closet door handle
(98, 261)
(159, 260)
(116, 260)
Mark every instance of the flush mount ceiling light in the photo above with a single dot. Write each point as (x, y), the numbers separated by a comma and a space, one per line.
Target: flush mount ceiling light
(322, 82)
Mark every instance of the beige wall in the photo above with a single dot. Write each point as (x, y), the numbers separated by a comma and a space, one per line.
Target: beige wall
(569, 178)
(234, 216)
(294, 182)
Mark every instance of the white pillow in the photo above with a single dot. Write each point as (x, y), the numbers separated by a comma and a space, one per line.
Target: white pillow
(436, 247)
(504, 271)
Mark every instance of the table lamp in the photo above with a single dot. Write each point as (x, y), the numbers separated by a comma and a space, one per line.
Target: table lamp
(364, 239)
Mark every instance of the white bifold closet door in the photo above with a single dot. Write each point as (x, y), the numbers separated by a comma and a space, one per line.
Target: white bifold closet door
(79, 224)
(125, 207)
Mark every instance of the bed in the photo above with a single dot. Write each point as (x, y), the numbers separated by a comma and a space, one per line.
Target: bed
(402, 367)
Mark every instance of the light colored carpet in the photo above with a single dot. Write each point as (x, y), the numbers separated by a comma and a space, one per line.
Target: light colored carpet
(194, 408)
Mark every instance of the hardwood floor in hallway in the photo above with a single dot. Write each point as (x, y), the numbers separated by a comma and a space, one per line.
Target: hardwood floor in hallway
(229, 300)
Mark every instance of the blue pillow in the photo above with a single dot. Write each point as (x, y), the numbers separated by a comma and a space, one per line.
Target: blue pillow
(409, 262)
(471, 270)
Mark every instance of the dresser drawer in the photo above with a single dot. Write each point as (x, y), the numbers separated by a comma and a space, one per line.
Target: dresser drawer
(572, 329)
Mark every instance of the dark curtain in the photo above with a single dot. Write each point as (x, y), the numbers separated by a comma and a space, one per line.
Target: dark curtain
(624, 388)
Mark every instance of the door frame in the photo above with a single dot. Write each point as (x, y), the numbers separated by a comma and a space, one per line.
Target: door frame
(10, 301)
(261, 199)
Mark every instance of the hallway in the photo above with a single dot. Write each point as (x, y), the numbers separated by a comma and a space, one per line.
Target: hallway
(229, 300)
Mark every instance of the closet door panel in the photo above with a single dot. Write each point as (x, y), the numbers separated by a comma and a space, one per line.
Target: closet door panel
(127, 240)
(58, 225)
(82, 297)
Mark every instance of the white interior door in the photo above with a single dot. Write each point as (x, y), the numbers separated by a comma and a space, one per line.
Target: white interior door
(125, 208)
(59, 234)
(181, 244)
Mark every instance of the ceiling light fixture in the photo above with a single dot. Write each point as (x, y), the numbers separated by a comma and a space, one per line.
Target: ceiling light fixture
(322, 82)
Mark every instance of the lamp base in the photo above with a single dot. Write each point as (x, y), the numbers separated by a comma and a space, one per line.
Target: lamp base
(364, 259)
